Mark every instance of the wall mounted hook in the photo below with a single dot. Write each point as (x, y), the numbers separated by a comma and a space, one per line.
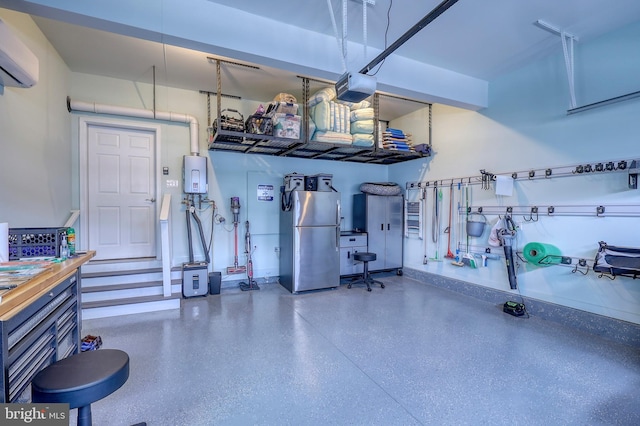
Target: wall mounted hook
(534, 210)
(575, 269)
(611, 277)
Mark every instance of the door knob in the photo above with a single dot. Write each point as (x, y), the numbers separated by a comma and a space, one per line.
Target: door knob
(152, 200)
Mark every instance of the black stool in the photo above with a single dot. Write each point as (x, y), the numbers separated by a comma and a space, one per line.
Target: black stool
(82, 379)
(365, 257)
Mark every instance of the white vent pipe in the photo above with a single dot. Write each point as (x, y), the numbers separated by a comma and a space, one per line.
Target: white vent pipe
(141, 113)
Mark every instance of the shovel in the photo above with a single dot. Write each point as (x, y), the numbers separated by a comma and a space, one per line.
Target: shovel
(435, 221)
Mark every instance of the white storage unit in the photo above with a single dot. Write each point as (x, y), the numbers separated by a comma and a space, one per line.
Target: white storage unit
(382, 218)
(350, 243)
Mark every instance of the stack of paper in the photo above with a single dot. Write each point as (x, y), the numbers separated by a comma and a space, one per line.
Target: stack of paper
(14, 273)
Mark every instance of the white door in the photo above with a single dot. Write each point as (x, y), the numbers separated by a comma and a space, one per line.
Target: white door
(121, 192)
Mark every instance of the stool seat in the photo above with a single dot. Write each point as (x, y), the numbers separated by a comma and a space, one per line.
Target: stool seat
(82, 379)
(365, 257)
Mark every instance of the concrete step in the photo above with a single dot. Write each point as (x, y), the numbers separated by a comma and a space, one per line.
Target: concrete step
(126, 287)
(120, 265)
(117, 273)
(114, 287)
(129, 301)
(123, 275)
(131, 305)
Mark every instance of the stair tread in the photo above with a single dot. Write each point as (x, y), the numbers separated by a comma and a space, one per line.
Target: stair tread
(120, 273)
(130, 300)
(125, 286)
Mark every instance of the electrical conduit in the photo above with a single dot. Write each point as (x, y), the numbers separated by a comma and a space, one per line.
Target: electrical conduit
(141, 113)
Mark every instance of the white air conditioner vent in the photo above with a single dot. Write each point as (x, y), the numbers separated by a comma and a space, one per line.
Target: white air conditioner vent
(19, 67)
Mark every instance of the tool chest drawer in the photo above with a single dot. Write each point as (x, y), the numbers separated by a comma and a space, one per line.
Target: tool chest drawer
(358, 240)
(42, 333)
(350, 244)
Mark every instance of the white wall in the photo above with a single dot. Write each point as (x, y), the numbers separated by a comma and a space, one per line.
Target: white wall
(35, 153)
(526, 127)
(230, 174)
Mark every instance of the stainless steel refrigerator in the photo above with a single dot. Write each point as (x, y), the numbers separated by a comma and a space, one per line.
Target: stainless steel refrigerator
(310, 241)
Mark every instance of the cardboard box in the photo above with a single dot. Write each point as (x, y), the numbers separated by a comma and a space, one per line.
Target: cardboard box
(286, 126)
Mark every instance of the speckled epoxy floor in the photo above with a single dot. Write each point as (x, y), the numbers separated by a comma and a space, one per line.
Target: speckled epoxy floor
(409, 354)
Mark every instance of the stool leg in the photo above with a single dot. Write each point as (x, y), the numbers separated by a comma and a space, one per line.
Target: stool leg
(366, 275)
(379, 282)
(84, 415)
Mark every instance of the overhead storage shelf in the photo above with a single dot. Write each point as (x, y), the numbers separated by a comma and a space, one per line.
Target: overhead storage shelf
(250, 143)
(226, 140)
(327, 151)
(269, 145)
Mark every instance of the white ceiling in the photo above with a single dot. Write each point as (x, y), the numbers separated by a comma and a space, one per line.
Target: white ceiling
(477, 38)
(482, 39)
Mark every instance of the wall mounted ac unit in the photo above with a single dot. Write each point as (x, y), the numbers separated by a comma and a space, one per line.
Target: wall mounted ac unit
(19, 67)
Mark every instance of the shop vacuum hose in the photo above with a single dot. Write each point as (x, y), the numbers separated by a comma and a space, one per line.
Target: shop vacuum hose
(507, 236)
(508, 254)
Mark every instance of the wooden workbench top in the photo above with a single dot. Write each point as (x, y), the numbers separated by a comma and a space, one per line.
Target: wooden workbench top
(14, 300)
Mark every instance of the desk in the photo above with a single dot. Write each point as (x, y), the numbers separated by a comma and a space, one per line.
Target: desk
(39, 325)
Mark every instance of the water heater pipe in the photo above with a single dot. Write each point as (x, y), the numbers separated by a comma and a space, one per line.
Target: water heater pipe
(141, 113)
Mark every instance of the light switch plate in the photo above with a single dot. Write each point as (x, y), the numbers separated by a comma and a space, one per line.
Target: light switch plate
(172, 183)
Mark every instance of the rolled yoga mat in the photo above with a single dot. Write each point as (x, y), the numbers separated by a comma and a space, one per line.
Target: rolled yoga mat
(542, 254)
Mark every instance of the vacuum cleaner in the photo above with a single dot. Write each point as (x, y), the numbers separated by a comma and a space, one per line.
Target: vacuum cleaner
(235, 210)
(252, 284)
(194, 274)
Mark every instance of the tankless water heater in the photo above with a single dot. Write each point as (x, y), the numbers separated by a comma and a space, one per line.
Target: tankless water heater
(194, 174)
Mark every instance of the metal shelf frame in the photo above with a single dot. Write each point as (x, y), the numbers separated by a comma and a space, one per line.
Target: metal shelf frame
(249, 143)
(584, 169)
(532, 213)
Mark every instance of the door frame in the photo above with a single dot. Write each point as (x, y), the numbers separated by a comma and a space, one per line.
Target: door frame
(84, 122)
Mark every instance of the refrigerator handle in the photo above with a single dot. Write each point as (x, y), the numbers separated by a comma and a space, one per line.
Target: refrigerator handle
(338, 226)
(382, 226)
